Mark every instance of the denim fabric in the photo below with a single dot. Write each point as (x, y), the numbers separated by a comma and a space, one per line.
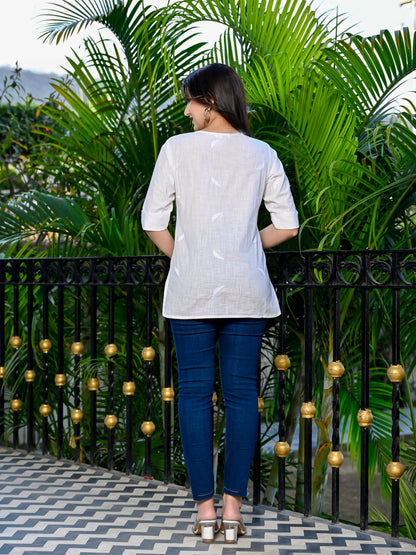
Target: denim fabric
(239, 343)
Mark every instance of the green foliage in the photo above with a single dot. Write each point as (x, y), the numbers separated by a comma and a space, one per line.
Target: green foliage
(19, 140)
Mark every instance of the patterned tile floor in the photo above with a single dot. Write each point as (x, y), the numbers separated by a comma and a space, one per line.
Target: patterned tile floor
(59, 507)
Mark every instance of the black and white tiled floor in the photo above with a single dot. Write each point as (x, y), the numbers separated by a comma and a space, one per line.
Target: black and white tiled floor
(59, 507)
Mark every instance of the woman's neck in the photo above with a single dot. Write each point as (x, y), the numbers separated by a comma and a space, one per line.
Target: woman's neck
(218, 124)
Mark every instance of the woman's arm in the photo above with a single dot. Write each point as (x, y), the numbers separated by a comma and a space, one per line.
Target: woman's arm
(270, 236)
(163, 240)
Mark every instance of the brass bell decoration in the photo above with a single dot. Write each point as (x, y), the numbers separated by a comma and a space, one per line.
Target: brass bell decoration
(395, 373)
(336, 369)
(148, 353)
(45, 345)
(93, 384)
(110, 421)
(129, 388)
(307, 410)
(15, 341)
(168, 393)
(395, 470)
(281, 449)
(45, 410)
(77, 348)
(60, 380)
(364, 418)
(148, 428)
(214, 399)
(16, 404)
(282, 362)
(260, 404)
(30, 376)
(77, 415)
(110, 350)
(335, 459)
(2, 372)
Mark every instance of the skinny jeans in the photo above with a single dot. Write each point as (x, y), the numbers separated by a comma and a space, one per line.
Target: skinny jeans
(239, 343)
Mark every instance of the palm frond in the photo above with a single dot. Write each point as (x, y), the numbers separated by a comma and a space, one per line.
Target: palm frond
(39, 213)
(376, 66)
(65, 20)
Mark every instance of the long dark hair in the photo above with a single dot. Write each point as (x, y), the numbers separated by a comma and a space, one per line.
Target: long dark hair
(219, 87)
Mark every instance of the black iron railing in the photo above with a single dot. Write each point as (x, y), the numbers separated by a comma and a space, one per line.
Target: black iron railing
(60, 314)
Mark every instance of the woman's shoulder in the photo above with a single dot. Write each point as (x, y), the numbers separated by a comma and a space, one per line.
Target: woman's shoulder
(259, 144)
(202, 139)
(178, 140)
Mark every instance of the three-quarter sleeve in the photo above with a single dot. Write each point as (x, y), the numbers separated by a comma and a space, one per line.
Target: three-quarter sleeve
(158, 203)
(278, 197)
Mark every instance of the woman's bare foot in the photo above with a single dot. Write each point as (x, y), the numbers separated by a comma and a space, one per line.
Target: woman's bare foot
(231, 507)
(206, 509)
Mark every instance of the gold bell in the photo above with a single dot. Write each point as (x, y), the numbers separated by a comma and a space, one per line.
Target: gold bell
(60, 380)
(2, 372)
(45, 345)
(336, 369)
(282, 362)
(93, 384)
(395, 470)
(148, 353)
(282, 449)
(129, 388)
(335, 459)
(260, 404)
(168, 393)
(30, 375)
(110, 421)
(77, 348)
(110, 350)
(16, 404)
(148, 428)
(214, 398)
(15, 341)
(365, 418)
(395, 373)
(307, 410)
(45, 410)
(77, 415)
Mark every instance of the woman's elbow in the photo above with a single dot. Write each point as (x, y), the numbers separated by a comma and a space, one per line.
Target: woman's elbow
(293, 232)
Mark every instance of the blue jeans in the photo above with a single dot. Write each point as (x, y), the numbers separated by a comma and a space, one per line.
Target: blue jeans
(239, 343)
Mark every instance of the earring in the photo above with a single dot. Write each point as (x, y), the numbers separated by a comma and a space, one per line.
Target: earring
(207, 118)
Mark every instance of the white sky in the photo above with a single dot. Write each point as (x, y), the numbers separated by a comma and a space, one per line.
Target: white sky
(19, 28)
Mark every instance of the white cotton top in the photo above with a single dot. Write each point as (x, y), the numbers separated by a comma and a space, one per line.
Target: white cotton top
(218, 180)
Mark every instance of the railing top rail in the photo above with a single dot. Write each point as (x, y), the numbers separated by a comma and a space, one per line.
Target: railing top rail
(344, 269)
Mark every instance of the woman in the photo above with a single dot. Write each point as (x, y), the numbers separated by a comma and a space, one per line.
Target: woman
(218, 289)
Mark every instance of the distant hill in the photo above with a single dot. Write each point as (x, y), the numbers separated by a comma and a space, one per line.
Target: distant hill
(34, 83)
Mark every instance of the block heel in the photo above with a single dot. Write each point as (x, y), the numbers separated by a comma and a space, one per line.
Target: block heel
(206, 529)
(232, 529)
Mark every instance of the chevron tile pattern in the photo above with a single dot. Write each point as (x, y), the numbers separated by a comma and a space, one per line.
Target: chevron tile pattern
(60, 507)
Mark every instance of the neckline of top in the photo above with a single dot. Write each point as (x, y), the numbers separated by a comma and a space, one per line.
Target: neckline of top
(219, 132)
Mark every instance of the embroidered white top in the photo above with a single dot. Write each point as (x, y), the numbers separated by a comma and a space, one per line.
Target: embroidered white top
(218, 180)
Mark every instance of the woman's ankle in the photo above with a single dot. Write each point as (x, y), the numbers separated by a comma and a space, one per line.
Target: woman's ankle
(206, 509)
(231, 507)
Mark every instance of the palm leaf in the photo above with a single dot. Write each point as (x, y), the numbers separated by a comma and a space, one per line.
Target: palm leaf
(65, 20)
(38, 213)
(376, 66)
